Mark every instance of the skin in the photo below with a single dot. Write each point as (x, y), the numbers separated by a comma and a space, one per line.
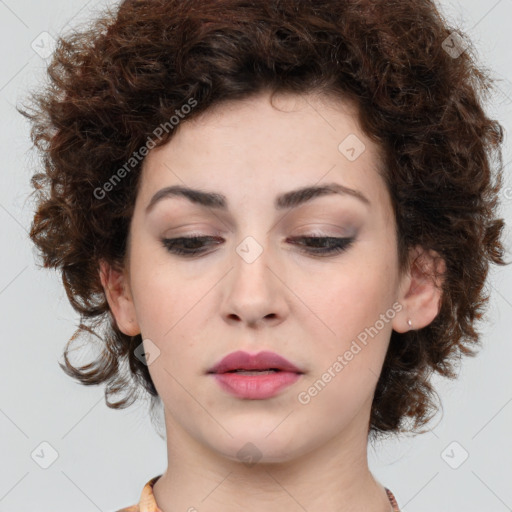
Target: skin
(306, 308)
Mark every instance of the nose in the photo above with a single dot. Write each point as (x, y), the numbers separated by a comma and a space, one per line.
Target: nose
(255, 289)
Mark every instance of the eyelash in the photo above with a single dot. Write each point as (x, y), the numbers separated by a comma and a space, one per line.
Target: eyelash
(335, 245)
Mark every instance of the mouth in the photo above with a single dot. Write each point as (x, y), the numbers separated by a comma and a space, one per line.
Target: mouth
(254, 376)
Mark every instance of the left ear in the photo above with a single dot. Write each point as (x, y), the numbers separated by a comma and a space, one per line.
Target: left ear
(420, 290)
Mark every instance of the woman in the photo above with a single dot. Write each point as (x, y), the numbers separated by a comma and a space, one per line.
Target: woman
(285, 213)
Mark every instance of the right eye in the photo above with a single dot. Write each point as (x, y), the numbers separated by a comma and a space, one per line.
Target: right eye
(187, 245)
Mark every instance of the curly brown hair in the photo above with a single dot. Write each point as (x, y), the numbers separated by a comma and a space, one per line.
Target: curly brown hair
(134, 67)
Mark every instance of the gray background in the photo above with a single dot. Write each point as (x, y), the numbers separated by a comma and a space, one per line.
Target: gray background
(105, 456)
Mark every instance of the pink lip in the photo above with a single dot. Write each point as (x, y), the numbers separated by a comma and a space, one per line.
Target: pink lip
(241, 360)
(256, 387)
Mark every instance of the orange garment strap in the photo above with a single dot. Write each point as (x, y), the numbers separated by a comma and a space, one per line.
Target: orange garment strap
(147, 501)
(392, 500)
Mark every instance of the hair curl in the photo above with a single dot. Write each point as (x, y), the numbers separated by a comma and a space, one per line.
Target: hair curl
(132, 68)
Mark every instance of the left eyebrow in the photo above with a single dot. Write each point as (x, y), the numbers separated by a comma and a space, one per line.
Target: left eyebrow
(287, 200)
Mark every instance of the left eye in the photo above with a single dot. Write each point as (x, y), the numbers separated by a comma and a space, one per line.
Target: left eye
(326, 245)
(190, 246)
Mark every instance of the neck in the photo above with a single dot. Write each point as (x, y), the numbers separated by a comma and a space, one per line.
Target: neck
(333, 478)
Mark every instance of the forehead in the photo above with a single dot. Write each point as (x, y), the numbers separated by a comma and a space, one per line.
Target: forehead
(256, 148)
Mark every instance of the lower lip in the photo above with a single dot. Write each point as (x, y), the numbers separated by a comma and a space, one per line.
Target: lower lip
(255, 387)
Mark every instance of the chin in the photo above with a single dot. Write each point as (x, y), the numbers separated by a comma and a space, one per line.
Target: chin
(255, 446)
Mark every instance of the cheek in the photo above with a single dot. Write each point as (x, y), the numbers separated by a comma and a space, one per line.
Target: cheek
(350, 344)
(171, 306)
(349, 299)
(160, 293)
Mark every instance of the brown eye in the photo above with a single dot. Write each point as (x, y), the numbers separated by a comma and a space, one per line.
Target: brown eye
(187, 246)
(325, 245)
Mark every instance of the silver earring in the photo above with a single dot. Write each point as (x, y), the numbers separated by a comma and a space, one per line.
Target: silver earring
(409, 322)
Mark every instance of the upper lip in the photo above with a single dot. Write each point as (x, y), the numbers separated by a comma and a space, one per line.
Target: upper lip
(265, 360)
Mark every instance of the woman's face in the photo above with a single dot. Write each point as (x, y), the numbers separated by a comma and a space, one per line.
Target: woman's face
(257, 286)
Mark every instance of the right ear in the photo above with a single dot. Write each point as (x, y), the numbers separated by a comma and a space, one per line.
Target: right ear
(117, 290)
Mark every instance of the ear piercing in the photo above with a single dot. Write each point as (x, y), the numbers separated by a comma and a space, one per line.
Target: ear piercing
(409, 322)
